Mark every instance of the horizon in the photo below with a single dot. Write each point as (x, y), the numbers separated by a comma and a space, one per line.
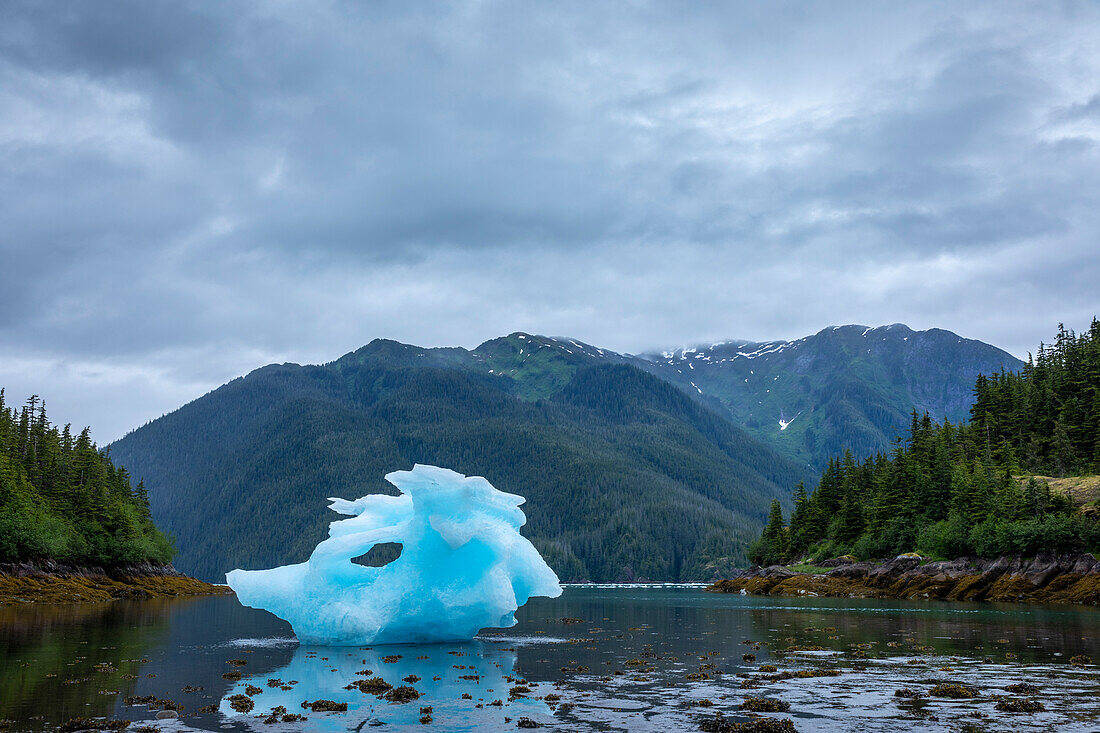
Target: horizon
(321, 362)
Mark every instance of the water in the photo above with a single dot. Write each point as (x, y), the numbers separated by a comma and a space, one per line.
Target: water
(624, 666)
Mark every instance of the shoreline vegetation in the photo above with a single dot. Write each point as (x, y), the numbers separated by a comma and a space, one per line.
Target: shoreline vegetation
(62, 498)
(73, 527)
(51, 582)
(1044, 578)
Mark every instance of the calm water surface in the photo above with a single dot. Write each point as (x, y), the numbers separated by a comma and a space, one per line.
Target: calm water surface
(624, 666)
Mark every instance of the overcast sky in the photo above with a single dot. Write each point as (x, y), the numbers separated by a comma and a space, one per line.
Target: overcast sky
(191, 190)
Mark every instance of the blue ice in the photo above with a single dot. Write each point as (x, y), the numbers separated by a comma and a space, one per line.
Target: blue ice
(463, 566)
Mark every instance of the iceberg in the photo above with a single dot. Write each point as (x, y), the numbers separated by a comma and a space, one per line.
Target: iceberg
(463, 566)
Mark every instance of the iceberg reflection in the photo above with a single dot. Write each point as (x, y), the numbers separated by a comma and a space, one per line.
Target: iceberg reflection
(468, 687)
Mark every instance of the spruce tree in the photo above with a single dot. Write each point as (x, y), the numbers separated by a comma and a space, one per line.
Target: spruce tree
(799, 517)
(774, 538)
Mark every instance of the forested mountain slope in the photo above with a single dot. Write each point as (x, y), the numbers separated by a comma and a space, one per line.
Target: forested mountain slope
(967, 489)
(843, 388)
(625, 476)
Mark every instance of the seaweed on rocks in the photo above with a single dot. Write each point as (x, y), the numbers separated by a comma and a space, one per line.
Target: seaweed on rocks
(1020, 705)
(404, 693)
(720, 724)
(954, 691)
(370, 686)
(325, 706)
(1023, 688)
(78, 724)
(764, 705)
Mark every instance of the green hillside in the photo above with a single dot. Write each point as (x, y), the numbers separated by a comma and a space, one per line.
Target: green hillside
(843, 388)
(625, 476)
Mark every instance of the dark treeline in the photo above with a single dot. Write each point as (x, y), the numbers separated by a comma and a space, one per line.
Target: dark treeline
(953, 490)
(1046, 419)
(63, 499)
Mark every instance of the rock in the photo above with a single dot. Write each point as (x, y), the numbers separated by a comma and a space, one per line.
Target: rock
(776, 571)
(852, 570)
(1046, 578)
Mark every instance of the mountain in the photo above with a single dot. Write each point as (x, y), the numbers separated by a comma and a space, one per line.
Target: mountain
(657, 466)
(955, 490)
(625, 475)
(843, 388)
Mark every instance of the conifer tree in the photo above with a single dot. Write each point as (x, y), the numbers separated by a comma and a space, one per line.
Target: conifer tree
(799, 517)
(773, 542)
(65, 500)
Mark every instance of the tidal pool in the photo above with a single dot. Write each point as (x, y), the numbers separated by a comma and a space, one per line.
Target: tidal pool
(597, 658)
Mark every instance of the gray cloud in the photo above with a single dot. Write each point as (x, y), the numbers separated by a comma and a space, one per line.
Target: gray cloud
(190, 190)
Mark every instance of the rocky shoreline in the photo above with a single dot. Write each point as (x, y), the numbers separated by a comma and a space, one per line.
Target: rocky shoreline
(1045, 578)
(50, 582)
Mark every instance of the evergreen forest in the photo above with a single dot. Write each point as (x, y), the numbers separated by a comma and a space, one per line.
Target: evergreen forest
(63, 499)
(625, 476)
(971, 489)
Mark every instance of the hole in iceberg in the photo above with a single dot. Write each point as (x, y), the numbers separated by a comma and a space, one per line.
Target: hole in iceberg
(381, 554)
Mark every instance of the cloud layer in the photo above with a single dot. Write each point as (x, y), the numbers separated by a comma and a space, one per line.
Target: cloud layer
(191, 190)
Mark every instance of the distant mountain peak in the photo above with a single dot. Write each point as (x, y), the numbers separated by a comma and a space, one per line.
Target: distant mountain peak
(863, 330)
(521, 340)
(846, 386)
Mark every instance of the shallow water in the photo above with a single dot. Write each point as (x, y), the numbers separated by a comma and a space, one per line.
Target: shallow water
(624, 666)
